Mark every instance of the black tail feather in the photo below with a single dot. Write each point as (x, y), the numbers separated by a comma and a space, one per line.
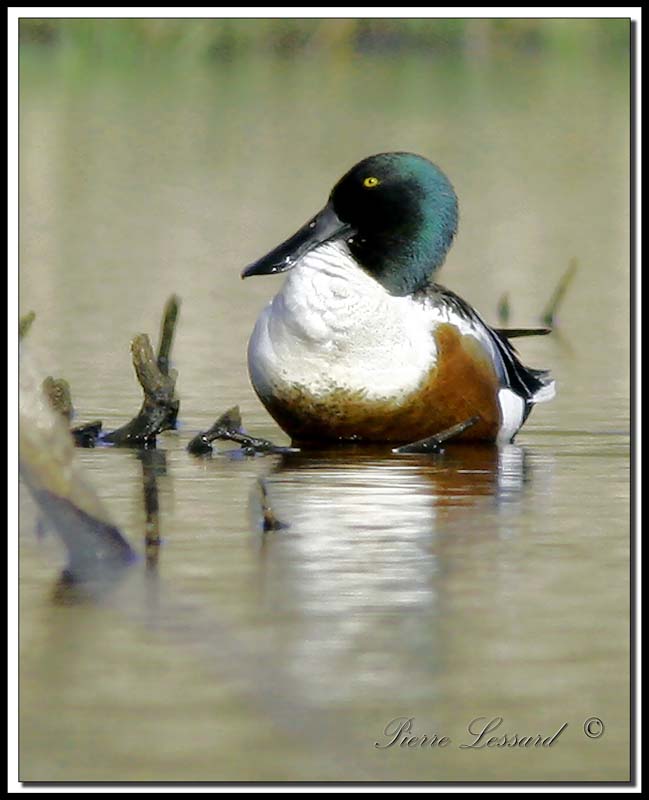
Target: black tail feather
(515, 333)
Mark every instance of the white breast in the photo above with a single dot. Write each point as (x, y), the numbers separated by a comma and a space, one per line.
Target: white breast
(332, 326)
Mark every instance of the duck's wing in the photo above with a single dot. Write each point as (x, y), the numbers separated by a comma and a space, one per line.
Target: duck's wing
(533, 385)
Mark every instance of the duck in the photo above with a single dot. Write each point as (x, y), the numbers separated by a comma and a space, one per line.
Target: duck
(361, 344)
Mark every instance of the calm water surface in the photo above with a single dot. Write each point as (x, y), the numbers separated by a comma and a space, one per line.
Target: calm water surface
(478, 584)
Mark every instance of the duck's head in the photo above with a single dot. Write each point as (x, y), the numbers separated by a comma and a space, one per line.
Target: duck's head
(397, 214)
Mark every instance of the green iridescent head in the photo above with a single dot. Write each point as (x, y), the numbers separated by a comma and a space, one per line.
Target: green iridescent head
(404, 211)
(398, 214)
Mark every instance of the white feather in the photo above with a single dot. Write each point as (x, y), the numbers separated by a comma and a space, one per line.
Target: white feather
(545, 393)
(333, 326)
(512, 409)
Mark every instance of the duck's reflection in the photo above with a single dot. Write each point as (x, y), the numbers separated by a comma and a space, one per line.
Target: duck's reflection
(357, 575)
(360, 489)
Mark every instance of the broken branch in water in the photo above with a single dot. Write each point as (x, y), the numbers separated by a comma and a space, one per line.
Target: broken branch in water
(57, 391)
(229, 427)
(167, 330)
(548, 317)
(86, 435)
(228, 422)
(433, 444)
(251, 445)
(160, 407)
(504, 309)
(549, 314)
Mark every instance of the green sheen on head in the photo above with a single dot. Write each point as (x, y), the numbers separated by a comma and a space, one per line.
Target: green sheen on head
(404, 211)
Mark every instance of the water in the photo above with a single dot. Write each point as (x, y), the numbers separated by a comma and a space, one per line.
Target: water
(480, 584)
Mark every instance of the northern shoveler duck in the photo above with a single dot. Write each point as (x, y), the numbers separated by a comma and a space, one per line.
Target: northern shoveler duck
(360, 344)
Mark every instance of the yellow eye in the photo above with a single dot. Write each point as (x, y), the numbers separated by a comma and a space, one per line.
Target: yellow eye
(370, 183)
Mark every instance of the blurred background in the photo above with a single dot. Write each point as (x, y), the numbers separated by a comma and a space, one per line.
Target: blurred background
(212, 39)
(163, 155)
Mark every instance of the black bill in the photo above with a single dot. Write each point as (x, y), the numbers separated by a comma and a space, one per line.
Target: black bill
(324, 227)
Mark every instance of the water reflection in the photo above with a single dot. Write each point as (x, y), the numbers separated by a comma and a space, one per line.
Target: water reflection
(154, 463)
(359, 487)
(357, 571)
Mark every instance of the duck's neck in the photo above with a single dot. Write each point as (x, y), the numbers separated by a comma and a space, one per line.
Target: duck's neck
(404, 258)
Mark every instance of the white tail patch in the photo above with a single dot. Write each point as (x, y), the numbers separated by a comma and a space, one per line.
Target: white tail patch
(512, 409)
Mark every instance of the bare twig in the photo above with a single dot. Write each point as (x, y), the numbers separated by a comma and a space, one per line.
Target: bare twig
(433, 444)
(167, 330)
(548, 317)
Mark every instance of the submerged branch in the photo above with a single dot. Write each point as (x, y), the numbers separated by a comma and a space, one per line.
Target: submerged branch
(433, 444)
(86, 435)
(228, 423)
(229, 427)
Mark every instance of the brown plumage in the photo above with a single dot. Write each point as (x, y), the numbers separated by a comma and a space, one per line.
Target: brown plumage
(463, 383)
